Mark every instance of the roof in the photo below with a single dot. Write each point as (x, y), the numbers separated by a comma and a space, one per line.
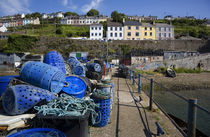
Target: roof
(147, 25)
(132, 23)
(96, 25)
(114, 24)
(163, 25)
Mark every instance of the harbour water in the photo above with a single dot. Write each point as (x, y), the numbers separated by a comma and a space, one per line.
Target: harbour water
(179, 108)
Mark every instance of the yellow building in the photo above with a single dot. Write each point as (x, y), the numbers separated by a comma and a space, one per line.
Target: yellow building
(148, 31)
(132, 30)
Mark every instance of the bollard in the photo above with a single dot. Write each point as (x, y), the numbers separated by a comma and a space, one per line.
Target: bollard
(192, 114)
(133, 77)
(151, 92)
(130, 74)
(139, 84)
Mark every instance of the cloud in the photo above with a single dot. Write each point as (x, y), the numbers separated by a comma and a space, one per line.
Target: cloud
(94, 4)
(10, 7)
(69, 4)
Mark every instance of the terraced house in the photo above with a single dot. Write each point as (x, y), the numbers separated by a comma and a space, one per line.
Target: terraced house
(132, 30)
(148, 31)
(164, 31)
(115, 31)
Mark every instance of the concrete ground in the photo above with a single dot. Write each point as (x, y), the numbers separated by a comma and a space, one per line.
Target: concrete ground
(130, 116)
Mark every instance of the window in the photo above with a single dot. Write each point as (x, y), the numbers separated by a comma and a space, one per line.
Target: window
(138, 39)
(128, 38)
(99, 28)
(90, 21)
(129, 33)
(92, 34)
(137, 27)
(80, 21)
(111, 34)
(159, 34)
(99, 34)
(120, 28)
(115, 28)
(165, 35)
(145, 28)
(95, 34)
(110, 28)
(150, 33)
(169, 29)
(95, 28)
(169, 35)
(120, 34)
(83, 21)
(137, 33)
(129, 27)
(159, 28)
(92, 28)
(150, 28)
(145, 34)
(115, 34)
(165, 29)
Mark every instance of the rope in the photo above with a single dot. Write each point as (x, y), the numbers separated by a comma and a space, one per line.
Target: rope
(66, 105)
(99, 92)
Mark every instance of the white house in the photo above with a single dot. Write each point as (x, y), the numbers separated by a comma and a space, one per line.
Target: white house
(44, 16)
(22, 15)
(59, 15)
(96, 31)
(115, 31)
(3, 29)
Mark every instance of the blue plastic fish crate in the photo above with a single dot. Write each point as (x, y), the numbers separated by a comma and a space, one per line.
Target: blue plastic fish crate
(103, 111)
(20, 98)
(55, 59)
(39, 132)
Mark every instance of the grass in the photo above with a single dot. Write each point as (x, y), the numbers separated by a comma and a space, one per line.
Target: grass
(179, 70)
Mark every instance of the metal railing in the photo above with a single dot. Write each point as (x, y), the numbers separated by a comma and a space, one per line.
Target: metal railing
(149, 86)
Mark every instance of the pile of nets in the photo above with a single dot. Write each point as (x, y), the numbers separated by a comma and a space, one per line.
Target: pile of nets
(67, 106)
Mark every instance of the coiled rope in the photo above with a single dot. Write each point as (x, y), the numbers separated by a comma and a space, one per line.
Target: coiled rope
(66, 105)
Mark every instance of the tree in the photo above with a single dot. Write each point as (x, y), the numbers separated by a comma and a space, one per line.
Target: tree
(36, 15)
(117, 17)
(70, 14)
(93, 12)
(28, 16)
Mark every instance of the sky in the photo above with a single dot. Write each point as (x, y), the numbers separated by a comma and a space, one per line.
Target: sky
(198, 8)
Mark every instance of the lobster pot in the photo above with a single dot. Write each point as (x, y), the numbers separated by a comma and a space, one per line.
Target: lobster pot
(94, 75)
(77, 67)
(79, 70)
(101, 63)
(103, 111)
(94, 67)
(54, 58)
(43, 75)
(38, 132)
(4, 81)
(76, 88)
(20, 98)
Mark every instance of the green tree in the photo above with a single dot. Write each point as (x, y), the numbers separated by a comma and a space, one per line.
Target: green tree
(117, 17)
(70, 14)
(93, 12)
(28, 16)
(36, 15)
